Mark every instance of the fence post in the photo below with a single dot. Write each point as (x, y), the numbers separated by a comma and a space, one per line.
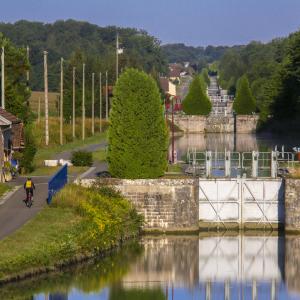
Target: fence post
(274, 164)
(254, 164)
(227, 164)
(208, 163)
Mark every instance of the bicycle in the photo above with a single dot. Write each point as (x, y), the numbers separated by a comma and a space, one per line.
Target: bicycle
(28, 200)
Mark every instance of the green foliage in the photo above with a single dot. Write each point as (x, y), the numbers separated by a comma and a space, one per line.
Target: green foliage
(197, 102)
(94, 44)
(199, 57)
(136, 294)
(16, 91)
(27, 158)
(204, 74)
(244, 103)
(138, 137)
(82, 158)
(79, 223)
(287, 95)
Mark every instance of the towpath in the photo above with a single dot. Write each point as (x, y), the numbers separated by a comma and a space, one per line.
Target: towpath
(13, 211)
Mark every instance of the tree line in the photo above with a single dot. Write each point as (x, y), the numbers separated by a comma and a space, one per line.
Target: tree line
(273, 72)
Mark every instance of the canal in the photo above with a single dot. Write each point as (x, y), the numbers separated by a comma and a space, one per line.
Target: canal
(207, 266)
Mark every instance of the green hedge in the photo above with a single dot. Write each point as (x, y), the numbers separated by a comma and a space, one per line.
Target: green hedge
(138, 136)
(82, 158)
(197, 102)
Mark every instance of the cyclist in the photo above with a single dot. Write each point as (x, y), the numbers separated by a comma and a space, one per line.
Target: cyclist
(29, 187)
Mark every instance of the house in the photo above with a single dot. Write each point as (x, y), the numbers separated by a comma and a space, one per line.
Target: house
(12, 133)
(167, 86)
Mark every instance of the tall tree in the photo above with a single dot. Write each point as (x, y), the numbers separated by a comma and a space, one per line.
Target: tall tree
(16, 90)
(197, 102)
(138, 137)
(244, 103)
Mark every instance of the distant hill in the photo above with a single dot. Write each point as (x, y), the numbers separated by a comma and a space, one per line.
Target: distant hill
(95, 44)
(197, 56)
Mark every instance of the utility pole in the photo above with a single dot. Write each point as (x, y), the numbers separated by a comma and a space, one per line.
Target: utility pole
(117, 57)
(2, 79)
(73, 107)
(106, 96)
(27, 72)
(100, 97)
(83, 101)
(27, 75)
(61, 100)
(93, 103)
(39, 110)
(46, 98)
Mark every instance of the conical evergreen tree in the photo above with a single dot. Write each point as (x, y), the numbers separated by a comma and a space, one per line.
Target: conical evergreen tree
(244, 103)
(138, 136)
(197, 102)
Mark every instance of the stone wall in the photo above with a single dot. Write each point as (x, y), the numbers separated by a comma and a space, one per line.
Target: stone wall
(190, 124)
(219, 124)
(166, 204)
(216, 124)
(292, 204)
(246, 124)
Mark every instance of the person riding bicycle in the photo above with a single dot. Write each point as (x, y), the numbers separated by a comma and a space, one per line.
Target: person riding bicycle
(29, 187)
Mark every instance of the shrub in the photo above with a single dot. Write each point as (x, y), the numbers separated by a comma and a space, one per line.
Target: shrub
(138, 136)
(82, 158)
(197, 102)
(26, 161)
(244, 103)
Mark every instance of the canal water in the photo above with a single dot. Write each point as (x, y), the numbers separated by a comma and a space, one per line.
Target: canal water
(240, 147)
(179, 268)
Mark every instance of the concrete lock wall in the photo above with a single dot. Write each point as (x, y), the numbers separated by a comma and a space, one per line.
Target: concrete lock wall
(216, 123)
(166, 204)
(187, 204)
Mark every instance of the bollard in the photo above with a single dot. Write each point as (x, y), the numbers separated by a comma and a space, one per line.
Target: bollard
(274, 164)
(254, 164)
(208, 164)
(227, 164)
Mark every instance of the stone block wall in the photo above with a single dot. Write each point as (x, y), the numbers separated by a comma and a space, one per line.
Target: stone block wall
(292, 204)
(216, 124)
(190, 124)
(166, 204)
(246, 123)
(219, 124)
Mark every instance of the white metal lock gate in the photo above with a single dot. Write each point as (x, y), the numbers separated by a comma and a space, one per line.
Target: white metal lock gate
(241, 200)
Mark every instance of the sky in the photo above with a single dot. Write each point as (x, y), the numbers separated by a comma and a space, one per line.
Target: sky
(193, 22)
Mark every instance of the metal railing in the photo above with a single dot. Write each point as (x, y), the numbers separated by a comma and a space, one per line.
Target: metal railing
(231, 164)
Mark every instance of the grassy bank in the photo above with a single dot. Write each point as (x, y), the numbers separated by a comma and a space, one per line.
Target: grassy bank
(4, 188)
(80, 223)
(90, 276)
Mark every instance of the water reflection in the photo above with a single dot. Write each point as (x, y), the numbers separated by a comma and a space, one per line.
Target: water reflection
(230, 142)
(180, 268)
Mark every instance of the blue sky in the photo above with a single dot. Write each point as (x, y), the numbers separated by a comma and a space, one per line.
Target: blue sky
(194, 22)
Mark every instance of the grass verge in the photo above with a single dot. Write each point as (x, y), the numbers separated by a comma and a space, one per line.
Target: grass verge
(4, 188)
(80, 223)
(49, 171)
(48, 153)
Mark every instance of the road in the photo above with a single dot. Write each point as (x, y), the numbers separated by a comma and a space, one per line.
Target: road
(14, 213)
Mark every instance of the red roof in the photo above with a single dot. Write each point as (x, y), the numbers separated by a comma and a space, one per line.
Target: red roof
(8, 116)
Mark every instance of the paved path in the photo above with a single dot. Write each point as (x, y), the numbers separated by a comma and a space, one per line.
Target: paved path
(14, 213)
(94, 147)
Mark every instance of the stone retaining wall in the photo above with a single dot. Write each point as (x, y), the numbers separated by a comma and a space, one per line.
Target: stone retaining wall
(214, 124)
(292, 204)
(166, 204)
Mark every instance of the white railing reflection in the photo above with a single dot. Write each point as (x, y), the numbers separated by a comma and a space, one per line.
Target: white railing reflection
(239, 258)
